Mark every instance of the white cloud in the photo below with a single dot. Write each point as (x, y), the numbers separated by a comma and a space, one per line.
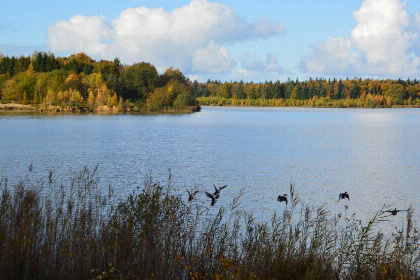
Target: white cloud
(160, 37)
(334, 57)
(80, 34)
(383, 43)
(250, 64)
(212, 59)
(380, 30)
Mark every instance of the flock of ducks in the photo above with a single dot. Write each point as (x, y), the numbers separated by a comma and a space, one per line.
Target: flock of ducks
(281, 198)
(213, 196)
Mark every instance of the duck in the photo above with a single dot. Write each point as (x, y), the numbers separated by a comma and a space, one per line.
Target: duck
(213, 198)
(394, 212)
(191, 195)
(282, 198)
(343, 196)
(217, 190)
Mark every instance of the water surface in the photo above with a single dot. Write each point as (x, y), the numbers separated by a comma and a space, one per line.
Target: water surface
(374, 154)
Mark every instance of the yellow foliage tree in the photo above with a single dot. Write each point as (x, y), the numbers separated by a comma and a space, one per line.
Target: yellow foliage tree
(91, 100)
(113, 100)
(25, 98)
(73, 82)
(11, 91)
(120, 106)
(76, 97)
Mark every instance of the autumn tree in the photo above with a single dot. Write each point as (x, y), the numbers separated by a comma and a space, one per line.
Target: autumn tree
(225, 91)
(91, 100)
(397, 93)
(11, 91)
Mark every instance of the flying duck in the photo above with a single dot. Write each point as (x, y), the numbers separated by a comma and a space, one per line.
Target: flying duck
(343, 196)
(393, 212)
(191, 195)
(217, 191)
(282, 198)
(213, 198)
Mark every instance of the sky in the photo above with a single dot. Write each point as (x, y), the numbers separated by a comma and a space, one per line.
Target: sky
(246, 40)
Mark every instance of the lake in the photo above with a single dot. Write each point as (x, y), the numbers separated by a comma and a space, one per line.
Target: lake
(373, 154)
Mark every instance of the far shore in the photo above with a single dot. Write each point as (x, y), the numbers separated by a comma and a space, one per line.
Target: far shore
(317, 107)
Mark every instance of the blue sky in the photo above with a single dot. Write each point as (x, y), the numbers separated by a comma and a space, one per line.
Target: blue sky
(304, 38)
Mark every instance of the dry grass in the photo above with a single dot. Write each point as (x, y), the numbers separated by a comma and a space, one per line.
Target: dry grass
(54, 231)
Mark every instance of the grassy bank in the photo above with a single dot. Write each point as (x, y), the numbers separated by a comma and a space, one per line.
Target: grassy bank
(125, 108)
(75, 231)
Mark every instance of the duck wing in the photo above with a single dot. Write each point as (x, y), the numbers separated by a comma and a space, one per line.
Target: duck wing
(209, 195)
(213, 199)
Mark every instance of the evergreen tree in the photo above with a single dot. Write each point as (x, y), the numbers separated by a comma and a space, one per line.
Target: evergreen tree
(339, 94)
(240, 93)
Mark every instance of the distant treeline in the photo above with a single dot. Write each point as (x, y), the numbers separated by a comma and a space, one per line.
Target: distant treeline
(78, 80)
(314, 93)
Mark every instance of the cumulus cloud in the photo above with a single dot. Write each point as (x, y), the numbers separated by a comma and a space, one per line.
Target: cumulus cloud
(80, 34)
(212, 59)
(334, 57)
(164, 38)
(380, 30)
(250, 64)
(383, 43)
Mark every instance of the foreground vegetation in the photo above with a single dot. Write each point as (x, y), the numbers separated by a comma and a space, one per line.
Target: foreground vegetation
(55, 231)
(79, 83)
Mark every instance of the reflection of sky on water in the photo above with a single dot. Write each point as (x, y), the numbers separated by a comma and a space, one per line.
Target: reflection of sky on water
(372, 154)
(376, 118)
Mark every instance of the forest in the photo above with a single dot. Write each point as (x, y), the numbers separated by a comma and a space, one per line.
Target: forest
(81, 83)
(312, 93)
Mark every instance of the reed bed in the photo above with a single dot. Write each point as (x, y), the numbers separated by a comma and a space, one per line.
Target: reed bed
(73, 230)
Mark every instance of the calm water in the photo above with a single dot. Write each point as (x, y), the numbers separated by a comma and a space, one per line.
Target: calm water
(372, 154)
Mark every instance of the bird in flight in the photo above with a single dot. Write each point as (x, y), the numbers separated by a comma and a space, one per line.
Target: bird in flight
(282, 198)
(191, 195)
(217, 190)
(393, 212)
(343, 196)
(213, 198)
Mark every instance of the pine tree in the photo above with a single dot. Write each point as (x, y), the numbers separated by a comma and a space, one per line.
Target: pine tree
(339, 94)
(240, 93)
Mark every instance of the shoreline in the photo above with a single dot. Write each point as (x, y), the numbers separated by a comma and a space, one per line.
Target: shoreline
(16, 108)
(315, 102)
(316, 107)
(55, 109)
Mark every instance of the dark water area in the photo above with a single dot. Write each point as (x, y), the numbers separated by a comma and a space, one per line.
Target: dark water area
(373, 154)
